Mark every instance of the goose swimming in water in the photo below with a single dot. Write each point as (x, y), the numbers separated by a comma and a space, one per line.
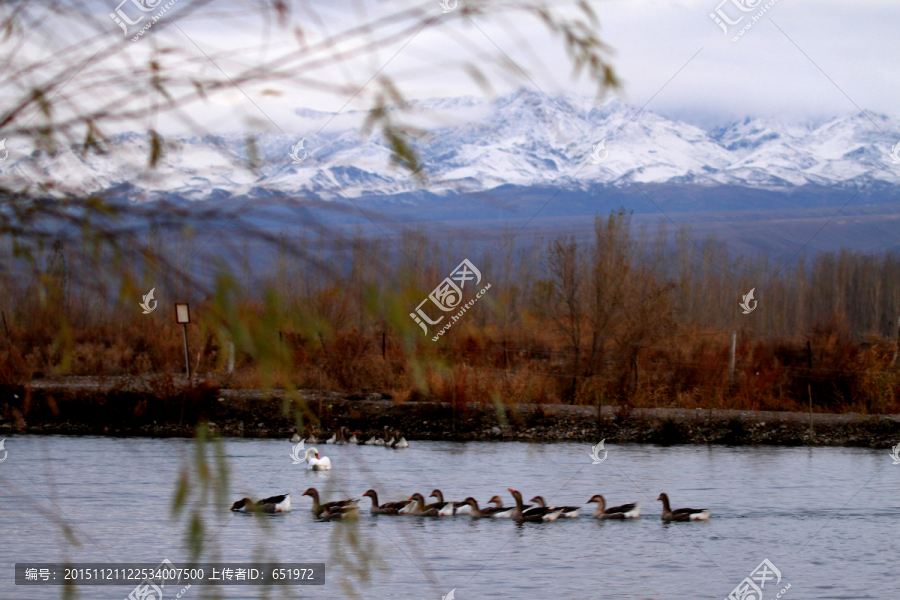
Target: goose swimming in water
(316, 462)
(388, 508)
(295, 438)
(446, 509)
(274, 504)
(503, 512)
(537, 513)
(475, 511)
(332, 439)
(341, 440)
(682, 514)
(353, 439)
(568, 512)
(335, 507)
(243, 505)
(401, 442)
(626, 511)
(380, 441)
(420, 509)
(340, 512)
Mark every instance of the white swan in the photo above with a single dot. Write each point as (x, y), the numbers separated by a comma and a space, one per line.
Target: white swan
(317, 463)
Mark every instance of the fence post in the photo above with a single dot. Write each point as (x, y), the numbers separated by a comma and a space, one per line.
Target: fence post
(383, 345)
(231, 357)
(453, 400)
(731, 363)
(809, 387)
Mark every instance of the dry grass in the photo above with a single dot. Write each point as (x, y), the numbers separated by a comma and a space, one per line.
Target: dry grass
(692, 373)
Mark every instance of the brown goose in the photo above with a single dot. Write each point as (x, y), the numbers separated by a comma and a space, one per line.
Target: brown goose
(341, 437)
(682, 514)
(420, 510)
(318, 508)
(626, 511)
(472, 507)
(476, 512)
(243, 505)
(388, 508)
(532, 514)
(340, 512)
(568, 512)
(446, 509)
(400, 441)
(381, 441)
(500, 511)
(274, 504)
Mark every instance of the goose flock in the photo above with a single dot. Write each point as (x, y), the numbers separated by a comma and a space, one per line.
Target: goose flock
(389, 438)
(416, 506)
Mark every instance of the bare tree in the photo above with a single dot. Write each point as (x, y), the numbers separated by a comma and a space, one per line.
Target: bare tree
(567, 307)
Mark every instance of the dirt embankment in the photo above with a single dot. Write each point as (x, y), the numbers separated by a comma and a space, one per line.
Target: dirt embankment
(87, 406)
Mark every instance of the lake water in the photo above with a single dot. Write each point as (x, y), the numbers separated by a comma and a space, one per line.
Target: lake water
(826, 518)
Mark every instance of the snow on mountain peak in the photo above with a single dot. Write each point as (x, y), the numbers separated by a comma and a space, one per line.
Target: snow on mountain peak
(475, 144)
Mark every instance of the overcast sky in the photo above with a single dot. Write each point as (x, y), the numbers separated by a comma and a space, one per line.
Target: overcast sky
(827, 57)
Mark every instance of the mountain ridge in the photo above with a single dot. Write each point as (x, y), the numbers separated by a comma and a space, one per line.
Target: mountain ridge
(473, 145)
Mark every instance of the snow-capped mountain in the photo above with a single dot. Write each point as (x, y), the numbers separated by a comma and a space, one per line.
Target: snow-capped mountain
(524, 140)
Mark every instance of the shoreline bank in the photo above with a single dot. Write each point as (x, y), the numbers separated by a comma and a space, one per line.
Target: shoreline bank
(88, 406)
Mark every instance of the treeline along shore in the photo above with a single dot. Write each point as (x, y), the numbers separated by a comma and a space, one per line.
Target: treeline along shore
(622, 319)
(84, 406)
